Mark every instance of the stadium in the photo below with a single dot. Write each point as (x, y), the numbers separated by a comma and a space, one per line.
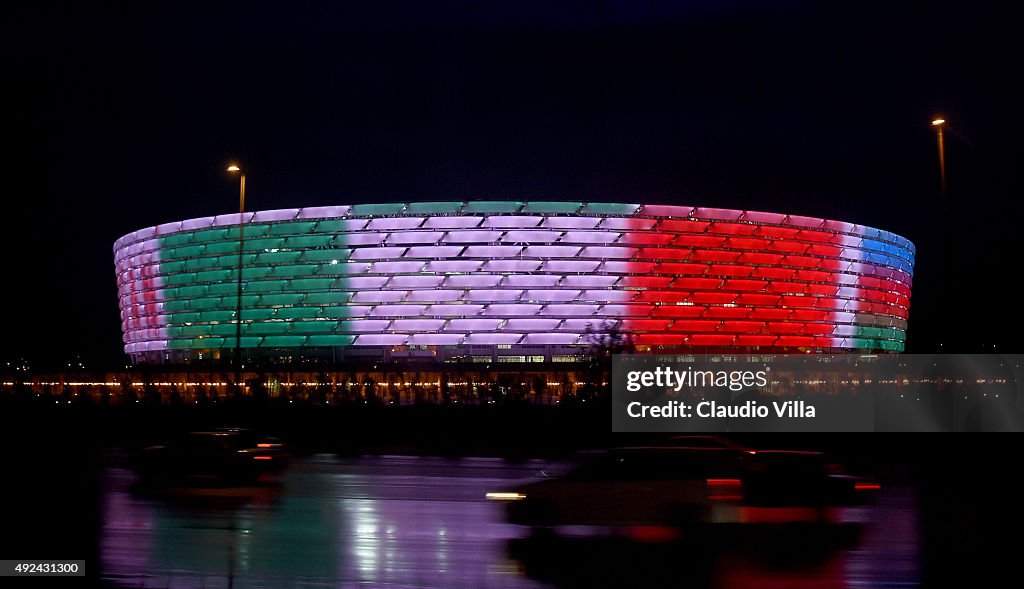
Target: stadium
(507, 281)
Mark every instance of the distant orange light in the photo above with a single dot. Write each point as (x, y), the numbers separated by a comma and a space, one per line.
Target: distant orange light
(262, 458)
(234, 168)
(938, 122)
(265, 445)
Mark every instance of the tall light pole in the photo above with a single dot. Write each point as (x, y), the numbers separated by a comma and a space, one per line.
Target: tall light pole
(947, 250)
(938, 123)
(235, 169)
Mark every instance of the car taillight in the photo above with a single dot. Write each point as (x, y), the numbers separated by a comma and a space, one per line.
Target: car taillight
(725, 489)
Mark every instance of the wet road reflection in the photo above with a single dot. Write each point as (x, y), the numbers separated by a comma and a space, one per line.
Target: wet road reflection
(412, 521)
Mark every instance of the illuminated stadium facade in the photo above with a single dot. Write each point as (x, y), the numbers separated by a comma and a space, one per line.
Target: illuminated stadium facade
(509, 281)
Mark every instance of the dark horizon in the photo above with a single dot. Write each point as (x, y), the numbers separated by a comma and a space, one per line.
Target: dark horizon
(126, 115)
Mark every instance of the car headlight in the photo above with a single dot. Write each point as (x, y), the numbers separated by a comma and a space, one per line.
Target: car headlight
(505, 496)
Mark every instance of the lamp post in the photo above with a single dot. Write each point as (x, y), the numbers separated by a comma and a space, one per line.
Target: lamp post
(938, 123)
(947, 250)
(235, 169)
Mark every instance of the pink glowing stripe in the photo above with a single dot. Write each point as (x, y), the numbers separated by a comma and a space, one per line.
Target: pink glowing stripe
(717, 214)
(477, 339)
(144, 234)
(443, 266)
(434, 296)
(809, 222)
(665, 211)
(365, 282)
(512, 222)
(378, 296)
(417, 324)
(154, 346)
(512, 265)
(175, 226)
(843, 317)
(551, 251)
(626, 267)
(510, 310)
(409, 282)
(398, 310)
(408, 237)
(395, 267)
(494, 295)
(394, 223)
(364, 326)
(846, 330)
(839, 226)
(536, 236)
(628, 223)
(435, 339)
(552, 296)
(473, 325)
(196, 224)
(381, 339)
(532, 325)
(608, 252)
(571, 222)
(571, 265)
(761, 217)
(228, 219)
(581, 325)
(323, 212)
(367, 238)
(471, 281)
(452, 222)
(453, 310)
(492, 251)
(570, 310)
(432, 251)
(472, 236)
(530, 280)
(608, 296)
(852, 254)
(587, 237)
(551, 338)
(591, 281)
(275, 215)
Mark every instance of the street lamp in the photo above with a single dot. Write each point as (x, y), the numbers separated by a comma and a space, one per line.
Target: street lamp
(235, 169)
(938, 123)
(947, 252)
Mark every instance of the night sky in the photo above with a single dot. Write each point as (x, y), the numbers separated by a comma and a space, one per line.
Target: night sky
(122, 116)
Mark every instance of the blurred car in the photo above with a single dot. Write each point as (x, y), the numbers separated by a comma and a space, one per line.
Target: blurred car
(226, 455)
(684, 483)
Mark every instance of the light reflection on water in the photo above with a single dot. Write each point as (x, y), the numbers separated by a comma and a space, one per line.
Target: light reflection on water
(407, 521)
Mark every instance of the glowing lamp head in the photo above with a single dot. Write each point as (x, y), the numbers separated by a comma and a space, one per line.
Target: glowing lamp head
(938, 122)
(233, 168)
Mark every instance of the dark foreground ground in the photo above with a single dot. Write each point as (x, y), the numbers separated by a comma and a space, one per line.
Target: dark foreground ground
(392, 497)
